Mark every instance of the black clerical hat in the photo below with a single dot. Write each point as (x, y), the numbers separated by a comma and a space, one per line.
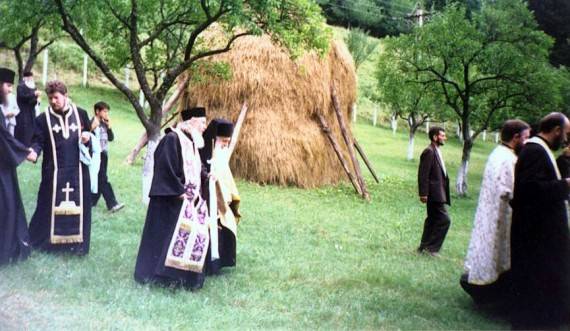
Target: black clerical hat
(7, 75)
(193, 112)
(224, 128)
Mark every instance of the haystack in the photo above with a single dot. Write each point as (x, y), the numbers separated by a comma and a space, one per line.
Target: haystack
(280, 141)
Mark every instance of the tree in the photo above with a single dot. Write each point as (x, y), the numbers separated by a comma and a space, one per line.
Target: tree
(163, 39)
(491, 65)
(398, 89)
(32, 30)
(360, 45)
(552, 16)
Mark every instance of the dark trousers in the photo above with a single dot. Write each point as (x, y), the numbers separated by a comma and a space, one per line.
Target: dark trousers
(498, 291)
(104, 187)
(435, 227)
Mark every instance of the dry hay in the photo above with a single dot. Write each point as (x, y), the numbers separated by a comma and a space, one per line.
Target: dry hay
(280, 142)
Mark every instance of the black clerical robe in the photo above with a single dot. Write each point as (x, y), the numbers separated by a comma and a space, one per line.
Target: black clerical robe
(25, 121)
(62, 219)
(168, 184)
(539, 242)
(14, 240)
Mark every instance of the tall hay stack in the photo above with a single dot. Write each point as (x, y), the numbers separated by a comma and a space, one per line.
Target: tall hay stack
(280, 141)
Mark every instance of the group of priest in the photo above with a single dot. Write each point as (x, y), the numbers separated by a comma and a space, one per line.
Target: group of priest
(518, 260)
(191, 225)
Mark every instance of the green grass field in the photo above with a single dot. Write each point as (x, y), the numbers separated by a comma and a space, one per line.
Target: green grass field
(307, 259)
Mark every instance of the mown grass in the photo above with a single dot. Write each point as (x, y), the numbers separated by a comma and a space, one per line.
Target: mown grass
(307, 259)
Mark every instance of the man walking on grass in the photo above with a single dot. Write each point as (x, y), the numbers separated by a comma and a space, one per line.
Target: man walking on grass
(433, 184)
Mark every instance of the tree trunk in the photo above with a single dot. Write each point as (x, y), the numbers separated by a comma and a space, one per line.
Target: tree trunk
(461, 184)
(19, 62)
(148, 165)
(411, 144)
(394, 123)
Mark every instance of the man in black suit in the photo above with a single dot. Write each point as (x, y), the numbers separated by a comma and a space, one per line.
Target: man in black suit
(433, 184)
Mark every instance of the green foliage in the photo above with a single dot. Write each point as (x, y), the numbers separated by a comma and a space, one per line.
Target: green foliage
(488, 66)
(379, 17)
(360, 45)
(552, 16)
(27, 26)
(402, 90)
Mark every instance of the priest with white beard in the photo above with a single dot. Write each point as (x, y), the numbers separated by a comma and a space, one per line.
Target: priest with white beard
(488, 258)
(176, 237)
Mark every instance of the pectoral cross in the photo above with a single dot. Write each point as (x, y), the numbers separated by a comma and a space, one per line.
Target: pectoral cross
(67, 190)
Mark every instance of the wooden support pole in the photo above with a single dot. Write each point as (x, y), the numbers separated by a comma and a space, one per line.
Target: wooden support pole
(326, 129)
(237, 127)
(349, 144)
(167, 107)
(366, 161)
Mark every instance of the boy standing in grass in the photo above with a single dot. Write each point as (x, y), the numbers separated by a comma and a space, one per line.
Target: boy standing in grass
(101, 128)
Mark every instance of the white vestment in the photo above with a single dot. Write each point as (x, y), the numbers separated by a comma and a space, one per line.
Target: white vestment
(489, 252)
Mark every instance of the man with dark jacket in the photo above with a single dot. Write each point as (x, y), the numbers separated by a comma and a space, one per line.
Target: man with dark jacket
(433, 184)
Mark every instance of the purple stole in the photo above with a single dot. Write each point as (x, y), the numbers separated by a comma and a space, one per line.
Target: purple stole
(189, 243)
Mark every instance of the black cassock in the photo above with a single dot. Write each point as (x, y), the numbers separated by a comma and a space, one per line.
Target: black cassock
(14, 240)
(162, 215)
(539, 243)
(226, 238)
(68, 161)
(25, 121)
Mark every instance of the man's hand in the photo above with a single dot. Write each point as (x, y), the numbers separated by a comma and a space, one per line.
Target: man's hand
(32, 156)
(423, 199)
(85, 137)
(95, 123)
(37, 93)
(10, 115)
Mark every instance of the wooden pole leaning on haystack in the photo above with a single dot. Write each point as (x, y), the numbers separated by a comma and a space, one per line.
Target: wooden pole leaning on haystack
(167, 107)
(237, 127)
(366, 161)
(349, 144)
(327, 130)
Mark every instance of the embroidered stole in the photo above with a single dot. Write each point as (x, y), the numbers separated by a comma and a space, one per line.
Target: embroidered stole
(67, 194)
(189, 243)
(225, 190)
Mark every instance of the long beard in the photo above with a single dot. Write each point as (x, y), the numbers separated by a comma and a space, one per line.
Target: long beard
(197, 138)
(30, 84)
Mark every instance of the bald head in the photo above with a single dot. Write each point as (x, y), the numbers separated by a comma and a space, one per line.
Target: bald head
(555, 128)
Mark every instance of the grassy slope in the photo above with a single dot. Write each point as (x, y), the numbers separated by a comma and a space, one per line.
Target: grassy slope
(306, 259)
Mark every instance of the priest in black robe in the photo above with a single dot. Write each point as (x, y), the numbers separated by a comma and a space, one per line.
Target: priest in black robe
(27, 98)
(170, 252)
(14, 239)
(540, 239)
(224, 205)
(62, 219)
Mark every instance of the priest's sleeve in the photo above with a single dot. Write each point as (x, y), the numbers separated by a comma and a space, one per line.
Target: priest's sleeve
(39, 129)
(168, 178)
(12, 152)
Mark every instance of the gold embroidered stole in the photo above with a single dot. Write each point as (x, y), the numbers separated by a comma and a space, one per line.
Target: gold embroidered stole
(189, 243)
(226, 192)
(66, 224)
